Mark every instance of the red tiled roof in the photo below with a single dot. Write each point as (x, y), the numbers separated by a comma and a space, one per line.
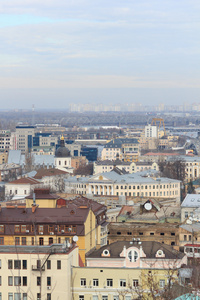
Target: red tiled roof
(25, 180)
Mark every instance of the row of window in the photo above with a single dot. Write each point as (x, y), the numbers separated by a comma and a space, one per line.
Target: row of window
(141, 233)
(146, 194)
(24, 241)
(108, 282)
(40, 228)
(22, 264)
(138, 187)
(24, 296)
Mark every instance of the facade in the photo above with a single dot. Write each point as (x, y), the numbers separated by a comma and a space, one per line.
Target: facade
(31, 272)
(9, 171)
(117, 184)
(151, 131)
(127, 149)
(5, 140)
(23, 139)
(162, 233)
(3, 157)
(129, 167)
(190, 206)
(21, 187)
(122, 268)
(45, 226)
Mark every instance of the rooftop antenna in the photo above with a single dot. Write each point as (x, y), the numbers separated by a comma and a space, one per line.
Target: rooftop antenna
(33, 114)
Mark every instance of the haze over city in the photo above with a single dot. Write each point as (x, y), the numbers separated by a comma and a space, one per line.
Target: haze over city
(57, 53)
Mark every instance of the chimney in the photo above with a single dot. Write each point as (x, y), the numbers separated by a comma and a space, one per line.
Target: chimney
(34, 208)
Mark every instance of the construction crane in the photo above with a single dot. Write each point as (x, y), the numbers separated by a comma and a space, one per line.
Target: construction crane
(161, 122)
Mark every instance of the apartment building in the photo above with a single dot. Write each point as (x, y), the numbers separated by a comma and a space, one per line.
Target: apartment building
(45, 226)
(123, 268)
(32, 272)
(127, 149)
(23, 138)
(21, 187)
(190, 207)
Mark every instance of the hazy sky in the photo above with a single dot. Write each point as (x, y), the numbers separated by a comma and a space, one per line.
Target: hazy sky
(54, 52)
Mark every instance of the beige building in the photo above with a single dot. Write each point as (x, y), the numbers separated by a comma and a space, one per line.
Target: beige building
(128, 166)
(119, 184)
(127, 149)
(32, 272)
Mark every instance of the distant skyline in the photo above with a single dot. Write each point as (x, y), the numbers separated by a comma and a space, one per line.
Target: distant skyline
(54, 53)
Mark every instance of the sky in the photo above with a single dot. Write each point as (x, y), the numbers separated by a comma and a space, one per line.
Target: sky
(53, 53)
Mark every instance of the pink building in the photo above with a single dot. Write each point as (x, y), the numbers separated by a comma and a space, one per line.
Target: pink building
(136, 254)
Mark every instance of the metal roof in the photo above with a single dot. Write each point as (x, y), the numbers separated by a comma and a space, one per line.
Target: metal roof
(191, 200)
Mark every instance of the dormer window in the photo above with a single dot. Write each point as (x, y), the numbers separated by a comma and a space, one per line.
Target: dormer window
(160, 253)
(106, 252)
(132, 256)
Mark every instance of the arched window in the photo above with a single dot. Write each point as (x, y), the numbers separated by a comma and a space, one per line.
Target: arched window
(132, 256)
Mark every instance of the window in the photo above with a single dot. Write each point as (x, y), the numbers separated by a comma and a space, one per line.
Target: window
(17, 296)
(38, 281)
(17, 264)
(185, 237)
(122, 282)
(0, 280)
(172, 233)
(40, 228)
(135, 282)
(109, 282)
(95, 297)
(38, 296)
(1, 228)
(51, 229)
(48, 281)
(95, 282)
(10, 264)
(48, 296)
(17, 280)
(24, 296)
(17, 241)
(116, 297)
(24, 281)
(50, 240)
(10, 296)
(186, 214)
(83, 281)
(81, 297)
(24, 264)
(151, 233)
(17, 228)
(162, 283)
(41, 241)
(10, 280)
(23, 240)
(1, 240)
(104, 297)
(23, 228)
(162, 233)
(32, 241)
(140, 233)
(132, 256)
(48, 265)
(58, 264)
(127, 297)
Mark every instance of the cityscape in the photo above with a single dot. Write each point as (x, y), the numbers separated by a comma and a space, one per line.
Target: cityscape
(99, 150)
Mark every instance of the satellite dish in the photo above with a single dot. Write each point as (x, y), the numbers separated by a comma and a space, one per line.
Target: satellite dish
(189, 222)
(148, 206)
(75, 238)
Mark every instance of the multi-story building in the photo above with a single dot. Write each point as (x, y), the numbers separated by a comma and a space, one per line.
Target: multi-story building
(5, 140)
(151, 131)
(158, 232)
(190, 207)
(21, 187)
(32, 272)
(43, 226)
(119, 184)
(127, 149)
(122, 269)
(23, 139)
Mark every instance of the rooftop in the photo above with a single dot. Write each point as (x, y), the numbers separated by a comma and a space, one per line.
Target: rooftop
(191, 200)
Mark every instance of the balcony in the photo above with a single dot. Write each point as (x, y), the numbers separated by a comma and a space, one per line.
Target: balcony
(38, 268)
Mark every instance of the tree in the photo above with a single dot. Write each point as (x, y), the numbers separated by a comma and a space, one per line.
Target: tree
(29, 162)
(191, 189)
(174, 169)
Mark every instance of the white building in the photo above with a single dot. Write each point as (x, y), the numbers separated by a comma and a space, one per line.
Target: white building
(62, 159)
(190, 208)
(151, 131)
